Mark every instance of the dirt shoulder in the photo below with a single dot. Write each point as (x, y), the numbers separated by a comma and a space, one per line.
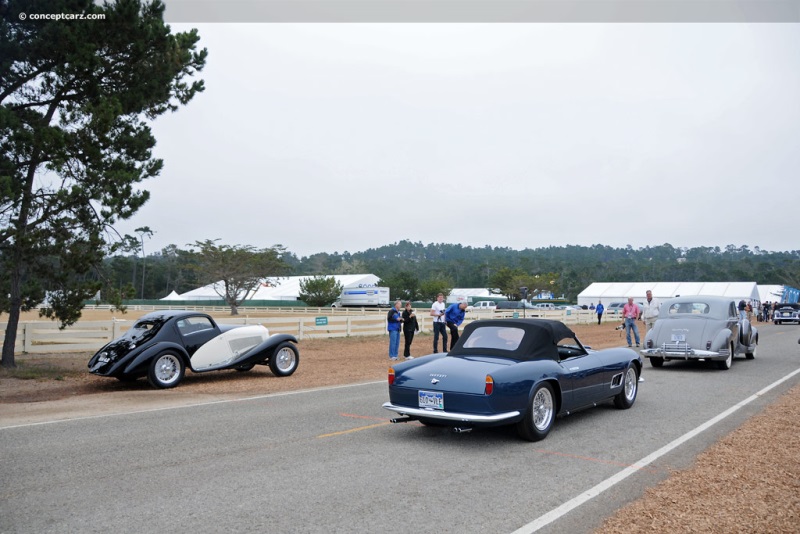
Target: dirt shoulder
(745, 483)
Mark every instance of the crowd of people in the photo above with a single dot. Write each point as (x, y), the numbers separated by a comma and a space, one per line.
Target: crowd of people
(445, 318)
(449, 318)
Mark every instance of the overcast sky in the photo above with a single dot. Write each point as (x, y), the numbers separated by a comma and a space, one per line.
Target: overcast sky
(344, 137)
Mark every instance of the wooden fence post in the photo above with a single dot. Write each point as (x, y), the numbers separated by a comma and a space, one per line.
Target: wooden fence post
(27, 337)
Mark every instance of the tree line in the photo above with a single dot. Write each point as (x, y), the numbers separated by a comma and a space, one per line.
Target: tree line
(415, 271)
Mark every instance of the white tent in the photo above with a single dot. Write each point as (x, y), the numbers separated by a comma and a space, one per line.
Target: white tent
(610, 292)
(770, 293)
(172, 296)
(281, 288)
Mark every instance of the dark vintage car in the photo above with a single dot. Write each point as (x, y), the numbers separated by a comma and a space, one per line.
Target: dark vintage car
(162, 345)
(512, 371)
(786, 313)
(702, 328)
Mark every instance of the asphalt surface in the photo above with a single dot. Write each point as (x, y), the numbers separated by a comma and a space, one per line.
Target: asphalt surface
(328, 460)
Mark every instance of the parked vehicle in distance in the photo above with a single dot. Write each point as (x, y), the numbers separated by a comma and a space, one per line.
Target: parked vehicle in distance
(523, 372)
(700, 328)
(512, 305)
(163, 344)
(363, 297)
(786, 313)
(543, 306)
(483, 305)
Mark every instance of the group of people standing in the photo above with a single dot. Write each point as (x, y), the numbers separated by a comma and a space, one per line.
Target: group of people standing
(444, 318)
(450, 318)
(631, 313)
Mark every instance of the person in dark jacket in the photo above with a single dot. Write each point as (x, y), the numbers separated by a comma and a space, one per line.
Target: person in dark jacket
(394, 321)
(454, 316)
(410, 325)
(599, 311)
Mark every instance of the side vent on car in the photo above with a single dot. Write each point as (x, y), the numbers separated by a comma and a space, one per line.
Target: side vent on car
(616, 381)
(241, 345)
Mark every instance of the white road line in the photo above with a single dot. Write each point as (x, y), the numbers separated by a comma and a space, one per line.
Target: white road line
(208, 403)
(586, 496)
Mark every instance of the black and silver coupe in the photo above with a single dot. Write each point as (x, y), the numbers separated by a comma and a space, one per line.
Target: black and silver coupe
(522, 372)
(163, 344)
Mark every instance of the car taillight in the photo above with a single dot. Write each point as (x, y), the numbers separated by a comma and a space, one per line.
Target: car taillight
(649, 343)
(391, 376)
(708, 345)
(489, 385)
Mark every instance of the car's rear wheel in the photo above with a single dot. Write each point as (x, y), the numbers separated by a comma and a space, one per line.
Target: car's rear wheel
(656, 362)
(166, 370)
(540, 416)
(285, 359)
(725, 364)
(630, 387)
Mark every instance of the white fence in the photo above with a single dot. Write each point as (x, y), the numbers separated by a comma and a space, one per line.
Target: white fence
(46, 337)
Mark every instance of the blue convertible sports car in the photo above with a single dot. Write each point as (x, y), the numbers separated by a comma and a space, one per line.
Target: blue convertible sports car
(512, 371)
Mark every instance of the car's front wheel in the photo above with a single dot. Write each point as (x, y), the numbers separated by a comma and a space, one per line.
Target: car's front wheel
(656, 362)
(540, 416)
(285, 359)
(166, 370)
(752, 354)
(630, 387)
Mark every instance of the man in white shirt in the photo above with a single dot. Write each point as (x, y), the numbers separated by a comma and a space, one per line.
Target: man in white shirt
(439, 323)
(650, 311)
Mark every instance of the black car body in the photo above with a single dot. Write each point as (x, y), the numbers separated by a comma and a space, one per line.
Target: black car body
(162, 344)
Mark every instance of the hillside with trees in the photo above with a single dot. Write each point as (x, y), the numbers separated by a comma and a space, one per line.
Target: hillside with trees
(415, 270)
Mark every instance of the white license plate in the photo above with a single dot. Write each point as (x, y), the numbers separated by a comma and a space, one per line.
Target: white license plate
(678, 337)
(431, 399)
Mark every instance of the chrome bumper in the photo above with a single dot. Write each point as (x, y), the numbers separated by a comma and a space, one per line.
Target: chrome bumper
(456, 417)
(684, 352)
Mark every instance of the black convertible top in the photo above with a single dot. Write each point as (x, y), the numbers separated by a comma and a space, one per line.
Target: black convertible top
(539, 341)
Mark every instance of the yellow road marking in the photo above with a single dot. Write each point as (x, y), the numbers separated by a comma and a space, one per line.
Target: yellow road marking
(359, 429)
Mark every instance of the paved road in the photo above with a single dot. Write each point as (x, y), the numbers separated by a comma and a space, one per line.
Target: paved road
(328, 461)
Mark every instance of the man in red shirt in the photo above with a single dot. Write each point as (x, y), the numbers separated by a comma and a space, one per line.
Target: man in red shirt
(630, 314)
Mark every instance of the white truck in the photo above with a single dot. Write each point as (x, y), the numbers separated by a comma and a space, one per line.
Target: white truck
(486, 305)
(362, 297)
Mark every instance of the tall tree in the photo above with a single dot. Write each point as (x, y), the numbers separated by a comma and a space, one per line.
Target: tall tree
(75, 98)
(320, 290)
(236, 272)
